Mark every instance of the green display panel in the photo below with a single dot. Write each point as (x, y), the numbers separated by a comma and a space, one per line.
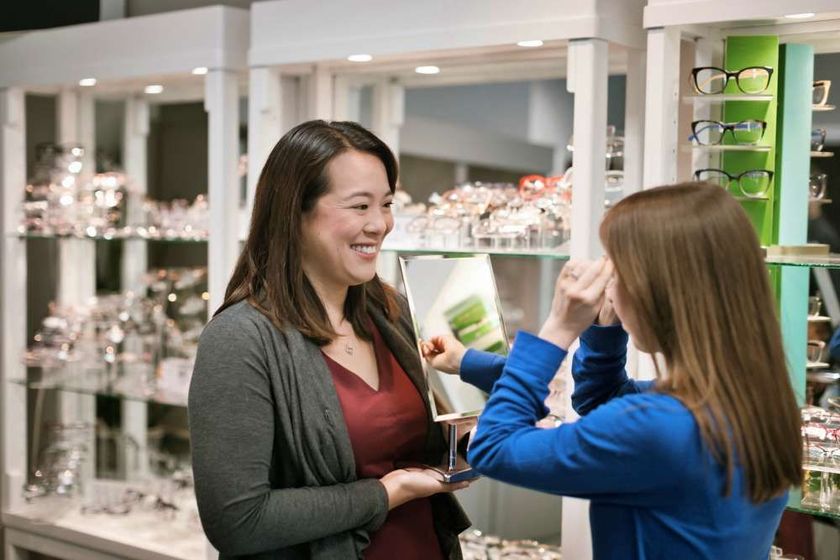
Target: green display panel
(740, 53)
(793, 136)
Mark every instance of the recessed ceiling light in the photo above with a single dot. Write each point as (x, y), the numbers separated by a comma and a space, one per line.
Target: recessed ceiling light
(87, 82)
(427, 70)
(200, 70)
(531, 43)
(154, 89)
(803, 15)
(360, 58)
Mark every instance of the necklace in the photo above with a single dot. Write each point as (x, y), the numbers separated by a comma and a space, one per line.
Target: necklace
(348, 347)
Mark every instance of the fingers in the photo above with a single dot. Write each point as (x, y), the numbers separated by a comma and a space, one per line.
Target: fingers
(598, 284)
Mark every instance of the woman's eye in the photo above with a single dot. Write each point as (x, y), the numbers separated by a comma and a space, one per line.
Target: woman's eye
(389, 204)
(361, 207)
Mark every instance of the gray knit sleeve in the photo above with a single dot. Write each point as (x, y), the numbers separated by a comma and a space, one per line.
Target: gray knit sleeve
(231, 412)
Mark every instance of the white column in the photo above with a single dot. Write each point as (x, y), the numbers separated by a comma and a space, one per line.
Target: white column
(87, 131)
(77, 260)
(13, 296)
(222, 105)
(587, 79)
(134, 462)
(320, 93)
(265, 125)
(634, 119)
(388, 113)
(347, 99)
(588, 71)
(661, 106)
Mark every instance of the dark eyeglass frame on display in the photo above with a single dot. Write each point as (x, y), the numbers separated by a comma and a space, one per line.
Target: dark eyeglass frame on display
(766, 174)
(698, 127)
(823, 87)
(817, 185)
(817, 139)
(738, 75)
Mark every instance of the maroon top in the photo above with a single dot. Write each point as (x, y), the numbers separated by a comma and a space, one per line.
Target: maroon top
(386, 427)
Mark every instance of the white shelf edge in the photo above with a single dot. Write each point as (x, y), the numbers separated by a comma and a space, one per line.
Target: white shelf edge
(822, 108)
(723, 97)
(822, 154)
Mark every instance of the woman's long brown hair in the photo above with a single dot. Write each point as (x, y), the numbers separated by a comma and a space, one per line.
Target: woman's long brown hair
(690, 265)
(269, 273)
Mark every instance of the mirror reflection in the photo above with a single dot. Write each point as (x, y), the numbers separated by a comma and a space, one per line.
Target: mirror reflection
(457, 296)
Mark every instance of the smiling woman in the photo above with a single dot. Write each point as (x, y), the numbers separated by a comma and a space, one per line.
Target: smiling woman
(307, 387)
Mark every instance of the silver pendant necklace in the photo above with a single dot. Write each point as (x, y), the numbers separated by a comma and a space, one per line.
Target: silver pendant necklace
(348, 347)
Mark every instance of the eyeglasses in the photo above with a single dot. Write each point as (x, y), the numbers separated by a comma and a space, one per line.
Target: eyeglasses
(710, 133)
(750, 80)
(814, 305)
(753, 183)
(819, 95)
(817, 185)
(815, 350)
(817, 139)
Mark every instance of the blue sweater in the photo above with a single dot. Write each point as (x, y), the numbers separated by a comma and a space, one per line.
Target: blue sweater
(655, 490)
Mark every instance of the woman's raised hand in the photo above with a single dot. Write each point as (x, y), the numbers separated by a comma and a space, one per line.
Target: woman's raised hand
(404, 485)
(444, 353)
(578, 299)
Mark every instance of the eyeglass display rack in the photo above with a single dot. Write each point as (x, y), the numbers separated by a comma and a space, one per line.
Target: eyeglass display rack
(701, 27)
(194, 54)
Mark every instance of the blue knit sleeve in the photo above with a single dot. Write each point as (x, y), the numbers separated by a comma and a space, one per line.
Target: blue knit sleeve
(598, 368)
(481, 369)
(610, 452)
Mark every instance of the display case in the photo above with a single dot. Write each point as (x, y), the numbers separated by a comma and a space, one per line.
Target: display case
(683, 37)
(190, 55)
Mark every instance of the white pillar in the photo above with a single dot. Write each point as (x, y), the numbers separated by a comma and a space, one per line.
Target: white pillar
(388, 113)
(661, 106)
(587, 79)
(222, 105)
(77, 260)
(588, 72)
(134, 461)
(265, 126)
(13, 296)
(634, 120)
(320, 93)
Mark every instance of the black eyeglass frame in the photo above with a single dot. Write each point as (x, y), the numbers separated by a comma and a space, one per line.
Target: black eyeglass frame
(737, 180)
(695, 134)
(729, 75)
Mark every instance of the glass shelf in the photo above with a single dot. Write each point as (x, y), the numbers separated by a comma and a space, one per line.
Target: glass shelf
(810, 261)
(726, 148)
(116, 237)
(816, 365)
(133, 387)
(795, 503)
(819, 319)
(820, 108)
(751, 198)
(560, 253)
(819, 201)
(822, 154)
(721, 97)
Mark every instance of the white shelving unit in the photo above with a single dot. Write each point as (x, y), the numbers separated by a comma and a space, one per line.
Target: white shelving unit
(123, 56)
(299, 70)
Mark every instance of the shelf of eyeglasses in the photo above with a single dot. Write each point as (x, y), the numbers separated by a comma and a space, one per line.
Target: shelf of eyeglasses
(149, 532)
(98, 381)
(821, 154)
(811, 366)
(810, 505)
(722, 97)
(725, 148)
(99, 236)
(819, 108)
(822, 377)
(560, 253)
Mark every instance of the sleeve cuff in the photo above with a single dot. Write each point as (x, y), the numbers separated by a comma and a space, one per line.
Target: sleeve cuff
(533, 354)
(605, 337)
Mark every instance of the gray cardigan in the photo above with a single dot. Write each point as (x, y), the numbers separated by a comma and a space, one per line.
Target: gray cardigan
(275, 475)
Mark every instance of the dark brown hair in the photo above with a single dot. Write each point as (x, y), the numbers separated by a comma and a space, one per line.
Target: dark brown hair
(689, 261)
(269, 273)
